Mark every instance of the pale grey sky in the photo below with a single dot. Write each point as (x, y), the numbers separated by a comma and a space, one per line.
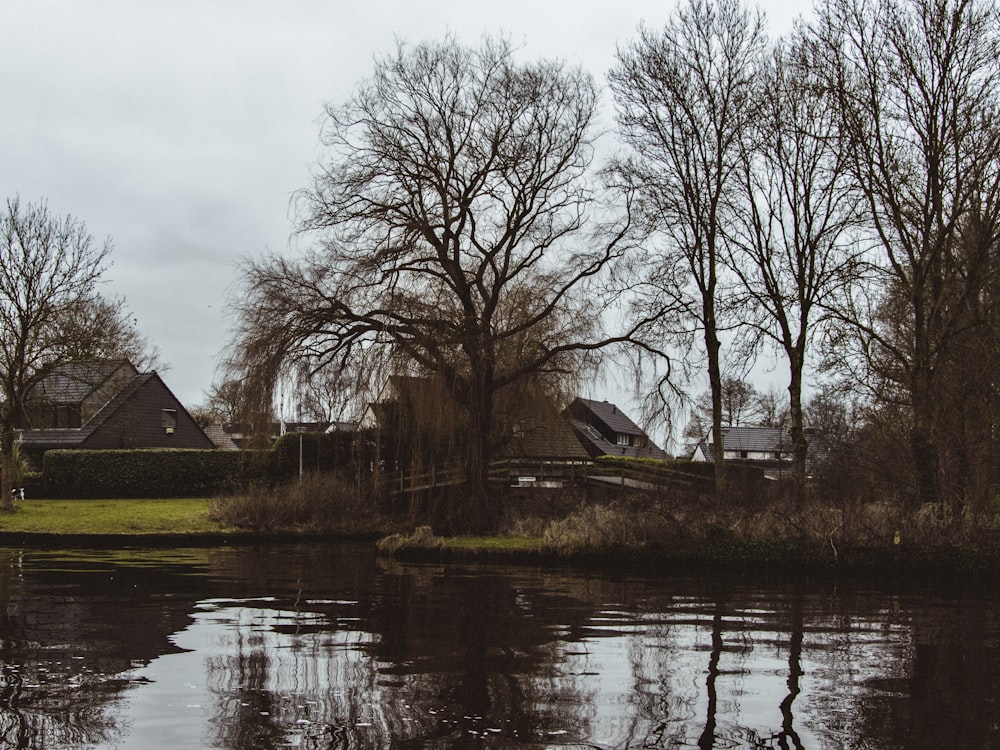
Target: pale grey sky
(180, 129)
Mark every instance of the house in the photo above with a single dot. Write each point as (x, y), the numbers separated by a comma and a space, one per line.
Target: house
(427, 424)
(106, 405)
(767, 447)
(605, 430)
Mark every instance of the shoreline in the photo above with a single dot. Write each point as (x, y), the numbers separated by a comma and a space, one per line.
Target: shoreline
(970, 564)
(931, 562)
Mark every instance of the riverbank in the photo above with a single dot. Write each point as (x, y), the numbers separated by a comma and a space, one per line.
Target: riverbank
(714, 552)
(178, 521)
(191, 522)
(144, 523)
(179, 516)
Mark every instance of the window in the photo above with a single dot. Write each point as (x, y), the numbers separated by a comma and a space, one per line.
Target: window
(168, 420)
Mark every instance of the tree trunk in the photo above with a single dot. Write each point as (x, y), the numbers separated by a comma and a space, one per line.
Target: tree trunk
(923, 447)
(713, 347)
(479, 513)
(6, 453)
(796, 429)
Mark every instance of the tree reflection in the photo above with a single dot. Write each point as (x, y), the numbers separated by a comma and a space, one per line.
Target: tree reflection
(795, 673)
(707, 739)
(319, 647)
(51, 695)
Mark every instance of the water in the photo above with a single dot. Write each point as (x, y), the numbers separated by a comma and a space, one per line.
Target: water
(324, 646)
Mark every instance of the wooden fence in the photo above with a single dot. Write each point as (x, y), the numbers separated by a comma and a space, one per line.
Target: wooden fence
(553, 472)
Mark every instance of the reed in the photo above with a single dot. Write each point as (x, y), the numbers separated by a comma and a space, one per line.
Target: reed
(318, 503)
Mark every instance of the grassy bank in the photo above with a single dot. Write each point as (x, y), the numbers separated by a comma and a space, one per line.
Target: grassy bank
(112, 517)
(649, 535)
(945, 561)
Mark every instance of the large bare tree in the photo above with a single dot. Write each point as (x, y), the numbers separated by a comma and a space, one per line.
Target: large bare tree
(916, 84)
(448, 220)
(794, 246)
(685, 95)
(51, 311)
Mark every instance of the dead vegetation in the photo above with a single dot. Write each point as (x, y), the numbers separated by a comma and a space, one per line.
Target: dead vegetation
(318, 503)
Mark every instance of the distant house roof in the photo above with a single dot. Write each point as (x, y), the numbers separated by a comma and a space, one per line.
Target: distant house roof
(743, 438)
(770, 447)
(612, 416)
(532, 425)
(539, 431)
(220, 438)
(605, 430)
(134, 416)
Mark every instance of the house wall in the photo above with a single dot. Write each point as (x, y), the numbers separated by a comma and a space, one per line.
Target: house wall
(138, 423)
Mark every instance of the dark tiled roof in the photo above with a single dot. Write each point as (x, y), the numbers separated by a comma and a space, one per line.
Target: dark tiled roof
(547, 436)
(740, 438)
(598, 445)
(612, 416)
(766, 440)
(220, 438)
(61, 437)
(598, 425)
(71, 383)
(52, 437)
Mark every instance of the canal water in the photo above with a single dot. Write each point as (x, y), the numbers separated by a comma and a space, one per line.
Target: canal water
(326, 646)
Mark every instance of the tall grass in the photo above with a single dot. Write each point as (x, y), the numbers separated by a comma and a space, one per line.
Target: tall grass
(640, 524)
(318, 503)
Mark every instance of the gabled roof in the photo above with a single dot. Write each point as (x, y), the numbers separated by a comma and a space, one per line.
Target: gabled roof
(77, 435)
(742, 438)
(599, 423)
(220, 438)
(768, 440)
(95, 431)
(612, 416)
(72, 382)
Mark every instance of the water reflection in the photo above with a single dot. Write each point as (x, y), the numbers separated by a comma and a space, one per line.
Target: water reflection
(322, 646)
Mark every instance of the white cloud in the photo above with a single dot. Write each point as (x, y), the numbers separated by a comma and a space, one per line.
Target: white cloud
(181, 129)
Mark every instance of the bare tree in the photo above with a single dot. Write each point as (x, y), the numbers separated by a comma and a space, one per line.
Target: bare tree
(740, 405)
(916, 85)
(449, 215)
(51, 311)
(792, 245)
(684, 96)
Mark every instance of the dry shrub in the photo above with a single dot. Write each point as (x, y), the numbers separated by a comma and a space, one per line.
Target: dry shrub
(524, 526)
(318, 503)
(422, 536)
(599, 528)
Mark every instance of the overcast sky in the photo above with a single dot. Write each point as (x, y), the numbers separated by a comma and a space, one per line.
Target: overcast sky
(180, 129)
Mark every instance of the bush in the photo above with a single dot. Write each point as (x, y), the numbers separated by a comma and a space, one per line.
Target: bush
(422, 537)
(603, 528)
(319, 503)
(319, 452)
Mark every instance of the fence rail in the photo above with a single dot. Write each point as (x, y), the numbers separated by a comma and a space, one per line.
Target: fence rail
(550, 472)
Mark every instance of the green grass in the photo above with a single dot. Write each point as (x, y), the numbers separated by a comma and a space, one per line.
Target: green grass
(493, 543)
(136, 517)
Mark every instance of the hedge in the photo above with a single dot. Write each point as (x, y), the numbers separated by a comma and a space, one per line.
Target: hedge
(147, 472)
(320, 452)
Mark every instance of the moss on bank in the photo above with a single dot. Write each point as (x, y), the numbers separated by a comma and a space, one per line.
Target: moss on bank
(694, 555)
(649, 537)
